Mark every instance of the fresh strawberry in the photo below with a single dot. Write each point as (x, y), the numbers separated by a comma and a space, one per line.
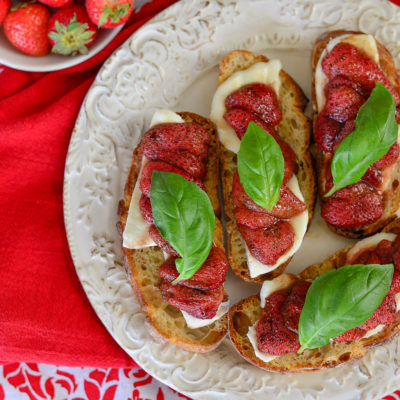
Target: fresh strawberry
(389, 158)
(253, 219)
(348, 61)
(56, 3)
(211, 274)
(5, 5)
(25, 26)
(145, 182)
(267, 245)
(201, 304)
(273, 337)
(343, 103)
(353, 206)
(109, 13)
(259, 99)
(326, 131)
(70, 31)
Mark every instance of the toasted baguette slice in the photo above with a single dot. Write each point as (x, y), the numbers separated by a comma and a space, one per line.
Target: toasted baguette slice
(165, 322)
(295, 129)
(391, 196)
(246, 312)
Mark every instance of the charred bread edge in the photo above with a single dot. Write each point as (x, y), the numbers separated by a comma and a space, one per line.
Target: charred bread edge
(240, 60)
(199, 340)
(247, 311)
(391, 196)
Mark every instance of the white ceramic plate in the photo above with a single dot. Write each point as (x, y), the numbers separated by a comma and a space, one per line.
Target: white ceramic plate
(172, 62)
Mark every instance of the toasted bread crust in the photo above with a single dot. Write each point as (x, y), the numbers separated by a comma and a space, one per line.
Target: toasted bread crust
(294, 129)
(246, 312)
(391, 196)
(165, 322)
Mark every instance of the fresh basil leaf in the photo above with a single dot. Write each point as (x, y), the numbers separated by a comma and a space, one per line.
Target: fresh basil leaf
(261, 166)
(376, 131)
(185, 218)
(340, 300)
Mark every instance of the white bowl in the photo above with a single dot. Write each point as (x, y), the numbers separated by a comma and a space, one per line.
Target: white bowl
(12, 57)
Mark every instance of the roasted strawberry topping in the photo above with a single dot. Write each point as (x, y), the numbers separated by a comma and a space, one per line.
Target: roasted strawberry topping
(172, 137)
(258, 99)
(353, 206)
(268, 244)
(145, 181)
(254, 219)
(273, 337)
(278, 326)
(211, 275)
(348, 61)
(201, 304)
(161, 242)
(352, 76)
(145, 209)
(294, 304)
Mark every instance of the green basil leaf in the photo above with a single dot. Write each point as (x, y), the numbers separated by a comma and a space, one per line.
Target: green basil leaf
(340, 300)
(185, 218)
(261, 166)
(376, 131)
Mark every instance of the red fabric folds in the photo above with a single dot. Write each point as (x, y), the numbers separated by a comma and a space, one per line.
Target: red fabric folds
(44, 313)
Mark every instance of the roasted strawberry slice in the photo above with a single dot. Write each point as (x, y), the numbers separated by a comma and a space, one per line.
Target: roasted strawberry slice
(395, 285)
(326, 131)
(396, 252)
(171, 137)
(239, 120)
(287, 207)
(384, 314)
(259, 99)
(351, 335)
(343, 103)
(181, 159)
(384, 252)
(373, 176)
(389, 158)
(294, 304)
(267, 245)
(254, 219)
(348, 127)
(161, 242)
(273, 337)
(145, 181)
(211, 274)
(201, 304)
(341, 80)
(348, 61)
(353, 206)
(145, 208)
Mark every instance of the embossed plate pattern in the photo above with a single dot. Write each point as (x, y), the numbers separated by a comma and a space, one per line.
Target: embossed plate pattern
(171, 62)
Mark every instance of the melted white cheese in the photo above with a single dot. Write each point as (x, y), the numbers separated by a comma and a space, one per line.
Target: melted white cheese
(136, 232)
(268, 287)
(194, 323)
(267, 73)
(370, 242)
(299, 224)
(364, 42)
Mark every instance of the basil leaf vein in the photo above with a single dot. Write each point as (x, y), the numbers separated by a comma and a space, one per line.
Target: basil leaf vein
(261, 166)
(340, 300)
(376, 131)
(185, 218)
